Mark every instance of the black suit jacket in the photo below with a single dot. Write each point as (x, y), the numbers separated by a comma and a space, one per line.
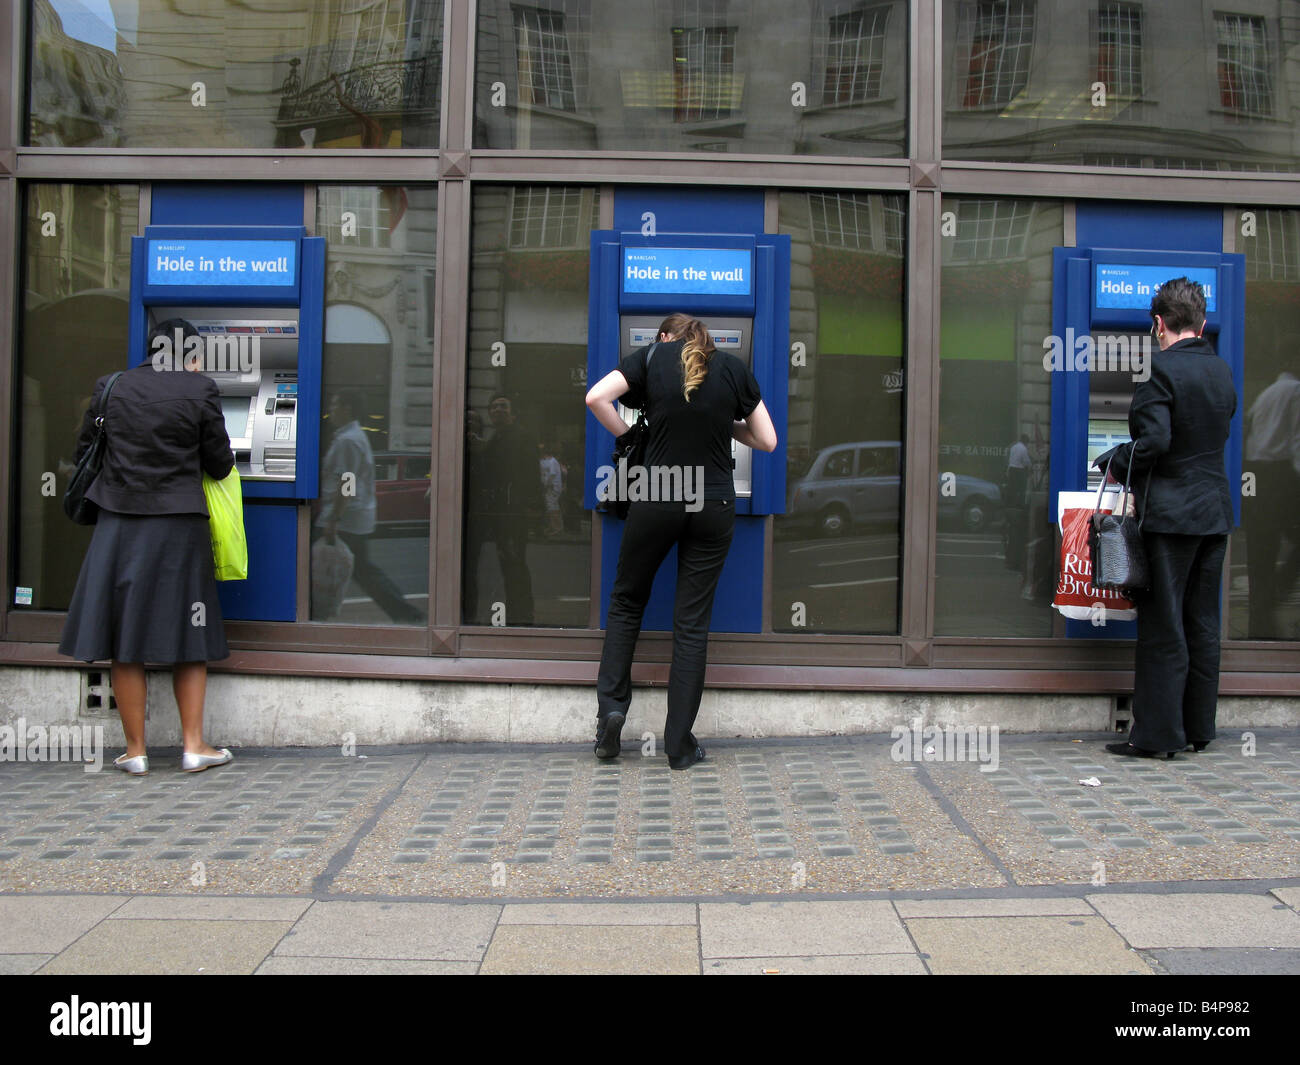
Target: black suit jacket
(1179, 423)
(165, 430)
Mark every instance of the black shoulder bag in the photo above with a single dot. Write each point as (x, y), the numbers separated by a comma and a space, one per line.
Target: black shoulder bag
(1119, 558)
(75, 504)
(629, 449)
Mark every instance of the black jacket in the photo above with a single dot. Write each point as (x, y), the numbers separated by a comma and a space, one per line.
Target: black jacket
(165, 430)
(1179, 423)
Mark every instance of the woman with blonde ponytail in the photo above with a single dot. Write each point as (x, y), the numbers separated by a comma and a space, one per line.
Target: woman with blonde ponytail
(697, 400)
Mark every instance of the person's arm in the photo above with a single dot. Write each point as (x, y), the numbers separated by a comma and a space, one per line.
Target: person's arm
(214, 442)
(601, 400)
(1150, 422)
(757, 430)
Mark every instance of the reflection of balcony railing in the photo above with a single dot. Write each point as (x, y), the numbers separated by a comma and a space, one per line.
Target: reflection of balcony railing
(400, 86)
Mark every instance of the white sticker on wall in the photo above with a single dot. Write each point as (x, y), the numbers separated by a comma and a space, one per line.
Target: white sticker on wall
(22, 597)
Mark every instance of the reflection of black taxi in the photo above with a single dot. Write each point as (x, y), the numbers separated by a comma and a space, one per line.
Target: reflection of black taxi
(402, 503)
(857, 484)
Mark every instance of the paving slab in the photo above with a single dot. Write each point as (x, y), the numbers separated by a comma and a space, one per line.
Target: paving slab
(1037, 946)
(46, 924)
(170, 948)
(210, 909)
(800, 929)
(600, 913)
(606, 949)
(827, 965)
(278, 965)
(1291, 896)
(409, 930)
(1228, 962)
(1027, 907)
(22, 964)
(1200, 920)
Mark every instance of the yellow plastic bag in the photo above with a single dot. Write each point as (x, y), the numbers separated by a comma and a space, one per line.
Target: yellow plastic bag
(226, 520)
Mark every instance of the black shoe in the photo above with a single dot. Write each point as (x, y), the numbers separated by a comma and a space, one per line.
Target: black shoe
(685, 761)
(1199, 745)
(607, 735)
(1127, 750)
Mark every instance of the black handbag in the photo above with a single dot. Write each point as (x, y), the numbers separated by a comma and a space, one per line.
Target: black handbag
(1119, 558)
(75, 504)
(629, 449)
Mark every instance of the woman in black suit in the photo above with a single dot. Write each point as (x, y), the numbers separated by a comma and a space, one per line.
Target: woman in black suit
(696, 400)
(147, 590)
(1179, 423)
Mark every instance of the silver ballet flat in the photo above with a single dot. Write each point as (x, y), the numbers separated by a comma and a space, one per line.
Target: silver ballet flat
(196, 763)
(137, 766)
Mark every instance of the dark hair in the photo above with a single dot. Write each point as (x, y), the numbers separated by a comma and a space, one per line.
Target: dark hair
(168, 329)
(1181, 303)
(351, 399)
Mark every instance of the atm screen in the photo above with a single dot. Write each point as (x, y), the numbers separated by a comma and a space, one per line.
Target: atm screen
(1103, 434)
(235, 410)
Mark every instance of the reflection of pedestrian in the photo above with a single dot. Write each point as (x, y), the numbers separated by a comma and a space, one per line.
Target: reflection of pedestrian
(512, 496)
(1273, 456)
(1017, 517)
(348, 510)
(552, 488)
(1179, 422)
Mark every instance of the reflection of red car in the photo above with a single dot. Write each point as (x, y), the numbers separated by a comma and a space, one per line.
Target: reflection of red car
(402, 504)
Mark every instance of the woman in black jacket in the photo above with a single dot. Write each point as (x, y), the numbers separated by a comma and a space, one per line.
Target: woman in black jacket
(147, 590)
(1179, 422)
(696, 400)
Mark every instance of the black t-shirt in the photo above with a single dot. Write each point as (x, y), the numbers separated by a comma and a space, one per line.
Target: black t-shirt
(697, 433)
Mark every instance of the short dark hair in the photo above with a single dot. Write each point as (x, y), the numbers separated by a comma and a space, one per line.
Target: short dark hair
(1181, 303)
(168, 329)
(353, 401)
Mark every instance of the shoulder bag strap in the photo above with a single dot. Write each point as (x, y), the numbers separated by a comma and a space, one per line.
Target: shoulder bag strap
(103, 400)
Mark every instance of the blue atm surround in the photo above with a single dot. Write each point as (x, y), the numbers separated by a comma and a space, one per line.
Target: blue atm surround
(1118, 241)
(249, 215)
(688, 224)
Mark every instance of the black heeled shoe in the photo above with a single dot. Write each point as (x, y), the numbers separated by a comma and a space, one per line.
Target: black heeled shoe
(1127, 750)
(1199, 745)
(607, 736)
(685, 761)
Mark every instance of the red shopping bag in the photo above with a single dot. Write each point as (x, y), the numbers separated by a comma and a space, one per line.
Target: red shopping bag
(1075, 596)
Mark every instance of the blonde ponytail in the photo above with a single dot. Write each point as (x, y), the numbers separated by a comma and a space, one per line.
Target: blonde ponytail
(696, 350)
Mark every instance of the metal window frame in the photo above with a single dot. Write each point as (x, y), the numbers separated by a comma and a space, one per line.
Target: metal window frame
(916, 659)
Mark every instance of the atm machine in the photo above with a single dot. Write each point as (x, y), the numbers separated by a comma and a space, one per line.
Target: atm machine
(255, 294)
(738, 284)
(1101, 316)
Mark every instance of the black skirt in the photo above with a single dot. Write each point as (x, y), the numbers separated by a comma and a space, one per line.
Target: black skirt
(146, 593)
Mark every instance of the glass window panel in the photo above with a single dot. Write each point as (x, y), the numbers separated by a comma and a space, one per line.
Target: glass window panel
(76, 281)
(836, 558)
(226, 74)
(816, 77)
(527, 553)
(377, 425)
(1263, 591)
(1177, 86)
(996, 550)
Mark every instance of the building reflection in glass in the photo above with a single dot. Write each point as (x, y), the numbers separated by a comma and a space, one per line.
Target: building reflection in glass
(224, 74)
(836, 560)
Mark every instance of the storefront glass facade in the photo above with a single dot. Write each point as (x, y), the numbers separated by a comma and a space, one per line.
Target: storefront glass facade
(924, 159)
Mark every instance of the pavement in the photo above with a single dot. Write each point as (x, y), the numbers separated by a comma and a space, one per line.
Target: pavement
(834, 855)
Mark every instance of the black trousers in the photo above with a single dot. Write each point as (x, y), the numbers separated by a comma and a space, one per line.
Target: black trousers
(703, 539)
(1176, 687)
